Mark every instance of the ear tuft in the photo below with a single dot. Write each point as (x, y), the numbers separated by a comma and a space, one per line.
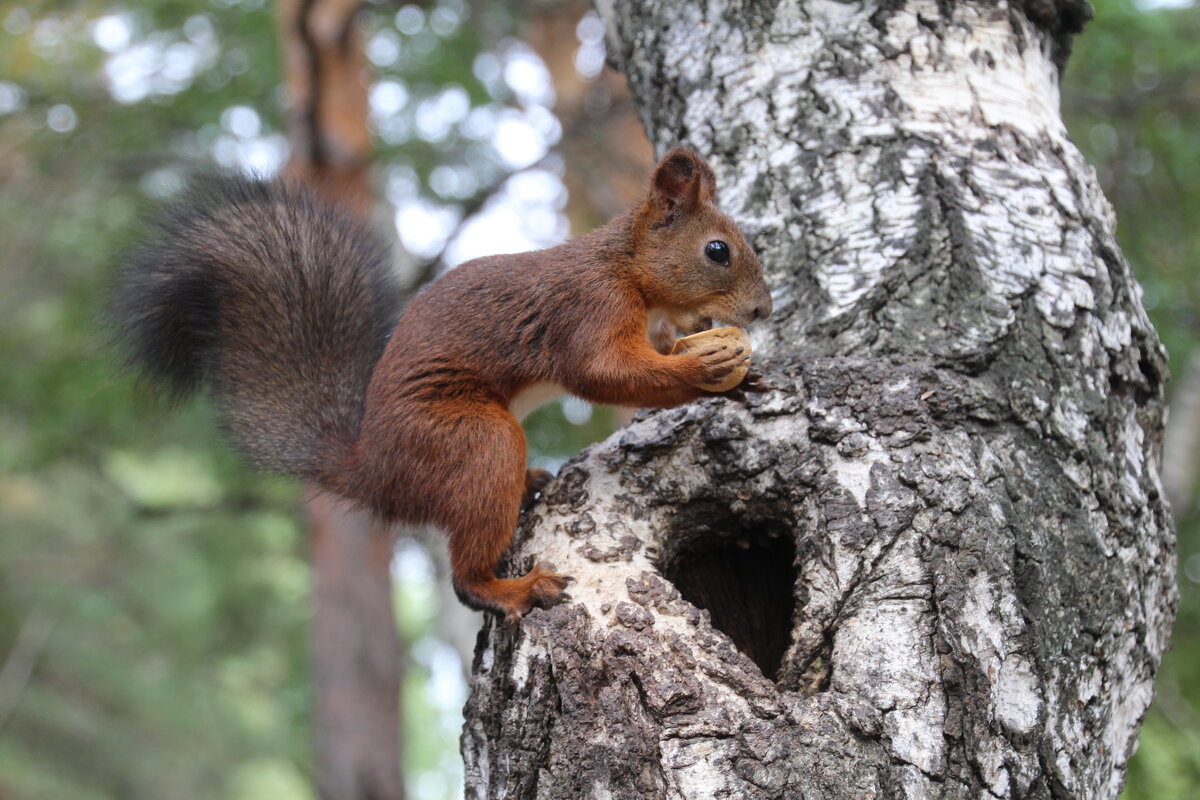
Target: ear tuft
(681, 180)
(676, 177)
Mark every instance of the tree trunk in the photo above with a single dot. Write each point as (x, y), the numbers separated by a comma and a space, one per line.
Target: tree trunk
(355, 648)
(355, 655)
(327, 102)
(934, 558)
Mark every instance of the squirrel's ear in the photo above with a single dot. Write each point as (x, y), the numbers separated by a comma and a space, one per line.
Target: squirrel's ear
(680, 179)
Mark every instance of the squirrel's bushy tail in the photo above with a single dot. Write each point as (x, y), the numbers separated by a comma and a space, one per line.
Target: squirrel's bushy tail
(279, 302)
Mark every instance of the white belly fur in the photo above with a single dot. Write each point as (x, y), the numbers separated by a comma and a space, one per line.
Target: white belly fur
(654, 318)
(534, 396)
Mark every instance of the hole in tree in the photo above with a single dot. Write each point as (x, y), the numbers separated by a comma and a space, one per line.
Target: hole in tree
(744, 578)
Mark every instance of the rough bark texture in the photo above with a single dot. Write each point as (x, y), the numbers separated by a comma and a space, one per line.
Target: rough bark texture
(935, 558)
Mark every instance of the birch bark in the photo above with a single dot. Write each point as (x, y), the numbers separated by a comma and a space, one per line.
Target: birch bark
(934, 559)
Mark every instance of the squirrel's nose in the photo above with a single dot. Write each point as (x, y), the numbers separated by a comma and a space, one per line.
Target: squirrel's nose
(763, 309)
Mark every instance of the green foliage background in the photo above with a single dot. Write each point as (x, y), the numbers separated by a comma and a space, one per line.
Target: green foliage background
(1131, 98)
(154, 594)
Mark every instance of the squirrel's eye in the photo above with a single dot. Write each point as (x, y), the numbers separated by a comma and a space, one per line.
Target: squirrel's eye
(717, 251)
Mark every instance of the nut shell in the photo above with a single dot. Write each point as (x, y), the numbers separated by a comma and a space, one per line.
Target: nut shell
(730, 337)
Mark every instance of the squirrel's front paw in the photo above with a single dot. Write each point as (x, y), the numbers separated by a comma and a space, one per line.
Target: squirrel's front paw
(722, 357)
(718, 363)
(754, 383)
(535, 481)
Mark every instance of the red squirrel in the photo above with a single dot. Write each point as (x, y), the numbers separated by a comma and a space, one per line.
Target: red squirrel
(284, 306)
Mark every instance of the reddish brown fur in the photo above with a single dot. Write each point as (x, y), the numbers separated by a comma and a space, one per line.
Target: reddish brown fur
(438, 443)
(280, 303)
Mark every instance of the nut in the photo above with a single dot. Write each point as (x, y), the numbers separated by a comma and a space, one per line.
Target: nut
(730, 337)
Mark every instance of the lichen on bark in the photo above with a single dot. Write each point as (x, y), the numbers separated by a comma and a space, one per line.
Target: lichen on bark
(933, 559)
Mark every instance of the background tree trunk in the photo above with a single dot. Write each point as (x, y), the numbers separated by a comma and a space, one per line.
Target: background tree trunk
(356, 659)
(934, 559)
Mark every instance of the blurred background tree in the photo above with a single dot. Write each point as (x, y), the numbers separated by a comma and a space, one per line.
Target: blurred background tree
(155, 594)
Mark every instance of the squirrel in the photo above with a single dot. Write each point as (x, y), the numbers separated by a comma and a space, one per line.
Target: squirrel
(285, 307)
